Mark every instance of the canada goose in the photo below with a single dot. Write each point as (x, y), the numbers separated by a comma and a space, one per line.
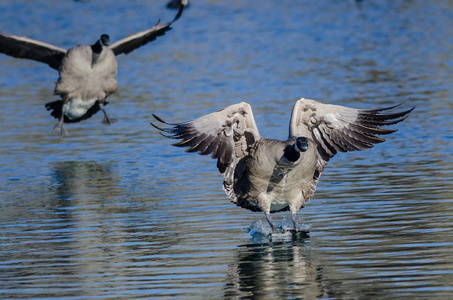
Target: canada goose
(87, 72)
(271, 175)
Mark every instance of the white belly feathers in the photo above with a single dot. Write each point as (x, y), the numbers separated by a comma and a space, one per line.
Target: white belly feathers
(77, 107)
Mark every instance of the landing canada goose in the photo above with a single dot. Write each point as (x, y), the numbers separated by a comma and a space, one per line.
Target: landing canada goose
(271, 175)
(87, 72)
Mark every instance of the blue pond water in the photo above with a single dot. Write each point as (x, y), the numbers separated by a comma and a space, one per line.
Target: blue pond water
(116, 212)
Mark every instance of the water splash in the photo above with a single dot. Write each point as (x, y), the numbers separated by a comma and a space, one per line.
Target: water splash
(260, 231)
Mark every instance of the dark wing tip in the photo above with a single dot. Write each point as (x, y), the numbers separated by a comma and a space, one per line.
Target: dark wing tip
(161, 121)
(155, 126)
(179, 14)
(373, 118)
(387, 108)
(158, 119)
(165, 132)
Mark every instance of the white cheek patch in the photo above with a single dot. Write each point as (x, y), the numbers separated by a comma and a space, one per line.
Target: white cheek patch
(297, 148)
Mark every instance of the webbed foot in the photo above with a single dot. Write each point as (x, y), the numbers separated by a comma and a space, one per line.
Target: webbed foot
(108, 121)
(60, 129)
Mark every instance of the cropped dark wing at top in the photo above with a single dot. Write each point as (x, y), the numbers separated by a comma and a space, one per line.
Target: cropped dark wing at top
(337, 128)
(139, 39)
(23, 47)
(226, 134)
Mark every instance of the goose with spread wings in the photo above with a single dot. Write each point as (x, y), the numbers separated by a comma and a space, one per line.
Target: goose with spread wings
(87, 72)
(271, 175)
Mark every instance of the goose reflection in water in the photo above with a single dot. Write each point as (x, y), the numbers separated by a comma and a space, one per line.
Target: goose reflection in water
(82, 183)
(261, 270)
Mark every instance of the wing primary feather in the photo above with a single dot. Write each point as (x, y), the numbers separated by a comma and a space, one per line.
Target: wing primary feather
(178, 15)
(158, 119)
(376, 110)
(347, 141)
(365, 138)
(23, 47)
(376, 123)
(197, 142)
(358, 141)
(213, 148)
(379, 116)
(227, 156)
(188, 123)
(370, 130)
(202, 150)
(178, 131)
(331, 141)
(169, 136)
(184, 143)
(220, 149)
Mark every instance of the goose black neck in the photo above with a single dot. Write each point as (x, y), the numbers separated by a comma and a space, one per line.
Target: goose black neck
(291, 154)
(97, 47)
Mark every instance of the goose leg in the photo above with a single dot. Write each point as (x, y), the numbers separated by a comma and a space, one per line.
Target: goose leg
(293, 219)
(59, 128)
(269, 220)
(107, 120)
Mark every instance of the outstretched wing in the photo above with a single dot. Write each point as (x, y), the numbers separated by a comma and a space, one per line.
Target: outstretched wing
(139, 39)
(337, 128)
(227, 135)
(23, 47)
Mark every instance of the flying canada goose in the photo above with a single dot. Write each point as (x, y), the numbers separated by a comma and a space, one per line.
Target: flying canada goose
(271, 175)
(87, 72)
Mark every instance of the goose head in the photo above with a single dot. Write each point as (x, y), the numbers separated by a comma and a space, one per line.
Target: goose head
(105, 40)
(301, 144)
(292, 152)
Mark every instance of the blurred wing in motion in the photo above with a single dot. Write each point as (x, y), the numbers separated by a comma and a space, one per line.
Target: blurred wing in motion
(23, 47)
